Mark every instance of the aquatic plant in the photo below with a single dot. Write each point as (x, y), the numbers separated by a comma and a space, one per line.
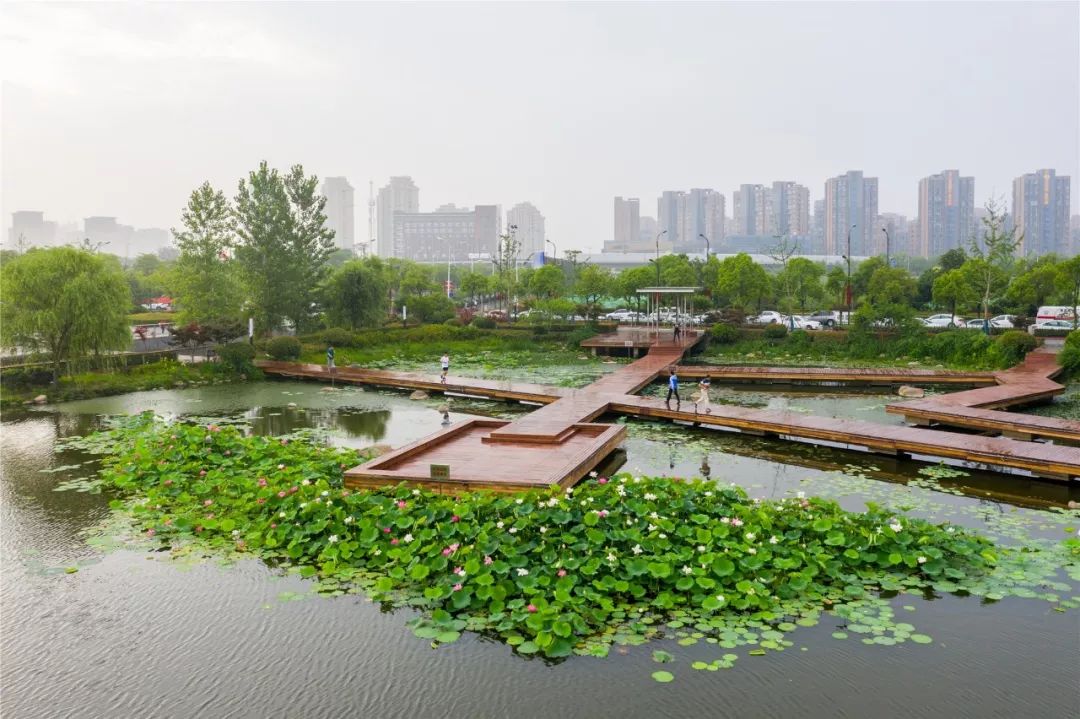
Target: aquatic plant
(549, 572)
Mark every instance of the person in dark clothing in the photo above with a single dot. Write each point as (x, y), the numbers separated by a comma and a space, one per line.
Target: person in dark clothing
(330, 358)
(673, 389)
(678, 333)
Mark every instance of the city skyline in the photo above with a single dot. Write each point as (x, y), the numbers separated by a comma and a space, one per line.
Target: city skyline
(138, 104)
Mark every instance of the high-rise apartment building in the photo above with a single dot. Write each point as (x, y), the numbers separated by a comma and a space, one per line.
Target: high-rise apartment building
(448, 234)
(647, 234)
(529, 230)
(669, 216)
(946, 213)
(701, 212)
(898, 240)
(851, 204)
(1041, 212)
(750, 205)
(788, 210)
(399, 195)
(627, 235)
(113, 237)
(339, 211)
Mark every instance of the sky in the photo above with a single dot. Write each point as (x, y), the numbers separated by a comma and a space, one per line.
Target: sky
(123, 108)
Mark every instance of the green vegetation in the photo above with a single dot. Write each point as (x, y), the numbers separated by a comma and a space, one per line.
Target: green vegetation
(146, 318)
(21, 386)
(1070, 354)
(554, 572)
(67, 303)
(284, 348)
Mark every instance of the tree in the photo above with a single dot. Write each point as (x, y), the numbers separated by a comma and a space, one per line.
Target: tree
(953, 259)
(835, 283)
(283, 243)
(205, 281)
(1033, 286)
(506, 252)
(547, 282)
(429, 308)
(593, 283)
(887, 300)
(66, 302)
(627, 283)
(475, 284)
(355, 295)
(988, 268)
(860, 279)
(801, 282)
(741, 282)
(952, 289)
(1069, 279)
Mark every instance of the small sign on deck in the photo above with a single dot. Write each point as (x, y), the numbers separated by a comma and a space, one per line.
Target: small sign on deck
(628, 343)
(440, 471)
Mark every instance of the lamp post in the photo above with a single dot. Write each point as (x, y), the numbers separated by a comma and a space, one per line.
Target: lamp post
(662, 232)
(708, 249)
(886, 231)
(848, 258)
(555, 251)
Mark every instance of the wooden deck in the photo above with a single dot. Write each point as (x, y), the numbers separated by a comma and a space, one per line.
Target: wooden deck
(559, 443)
(828, 375)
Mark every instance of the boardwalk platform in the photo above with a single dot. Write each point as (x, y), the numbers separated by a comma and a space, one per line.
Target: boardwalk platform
(829, 375)
(561, 442)
(637, 340)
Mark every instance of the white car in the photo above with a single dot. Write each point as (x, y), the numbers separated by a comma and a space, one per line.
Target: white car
(1005, 322)
(944, 321)
(802, 323)
(1054, 325)
(767, 317)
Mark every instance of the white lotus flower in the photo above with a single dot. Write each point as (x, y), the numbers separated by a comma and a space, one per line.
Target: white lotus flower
(687, 570)
(407, 538)
(333, 539)
(774, 540)
(922, 560)
(649, 496)
(521, 572)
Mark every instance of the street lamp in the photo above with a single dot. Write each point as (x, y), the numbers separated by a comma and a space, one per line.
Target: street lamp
(707, 247)
(555, 251)
(886, 231)
(662, 232)
(447, 266)
(848, 258)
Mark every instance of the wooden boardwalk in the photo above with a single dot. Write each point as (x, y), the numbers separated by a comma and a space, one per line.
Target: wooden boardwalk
(560, 442)
(829, 375)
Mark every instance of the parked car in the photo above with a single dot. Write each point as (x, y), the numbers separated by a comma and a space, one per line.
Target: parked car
(944, 321)
(826, 318)
(1003, 322)
(497, 315)
(922, 321)
(767, 317)
(1052, 326)
(1054, 312)
(803, 323)
(977, 324)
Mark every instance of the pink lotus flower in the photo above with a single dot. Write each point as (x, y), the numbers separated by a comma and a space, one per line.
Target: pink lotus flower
(402, 504)
(273, 525)
(457, 587)
(458, 570)
(208, 502)
(150, 533)
(736, 522)
(293, 489)
(455, 518)
(561, 573)
(531, 609)
(603, 513)
(394, 541)
(202, 472)
(602, 480)
(168, 522)
(386, 530)
(488, 560)
(167, 482)
(284, 441)
(261, 500)
(262, 481)
(281, 494)
(198, 527)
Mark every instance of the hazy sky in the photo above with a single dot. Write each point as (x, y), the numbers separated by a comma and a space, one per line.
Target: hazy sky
(121, 109)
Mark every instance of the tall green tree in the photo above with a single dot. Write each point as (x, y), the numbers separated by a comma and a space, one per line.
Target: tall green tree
(835, 283)
(475, 284)
(1069, 280)
(800, 281)
(593, 284)
(547, 282)
(205, 280)
(741, 282)
(66, 302)
(887, 300)
(952, 290)
(356, 295)
(283, 244)
(1032, 286)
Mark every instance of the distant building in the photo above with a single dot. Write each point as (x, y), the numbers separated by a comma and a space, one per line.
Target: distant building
(627, 234)
(750, 208)
(447, 234)
(946, 213)
(899, 239)
(1041, 212)
(817, 232)
(149, 240)
(340, 216)
(787, 210)
(399, 195)
(1074, 225)
(647, 234)
(851, 204)
(530, 228)
(669, 216)
(110, 235)
(31, 229)
(702, 213)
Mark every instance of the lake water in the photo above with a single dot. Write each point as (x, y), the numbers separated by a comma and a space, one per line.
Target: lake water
(136, 634)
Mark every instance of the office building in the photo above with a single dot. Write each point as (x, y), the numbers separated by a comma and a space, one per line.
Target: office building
(450, 233)
(530, 228)
(627, 234)
(851, 204)
(31, 229)
(1041, 212)
(946, 213)
(108, 235)
(340, 216)
(399, 195)
(647, 235)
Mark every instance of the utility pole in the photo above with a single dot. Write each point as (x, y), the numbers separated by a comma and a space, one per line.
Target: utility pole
(662, 232)
(708, 250)
(555, 251)
(886, 231)
(848, 258)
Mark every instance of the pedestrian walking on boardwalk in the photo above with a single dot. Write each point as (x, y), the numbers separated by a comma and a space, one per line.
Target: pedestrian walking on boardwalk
(330, 367)
(673, 389)
(445, 362)
(701, 400)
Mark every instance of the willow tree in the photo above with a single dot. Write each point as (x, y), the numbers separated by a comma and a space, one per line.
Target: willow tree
(65, 302)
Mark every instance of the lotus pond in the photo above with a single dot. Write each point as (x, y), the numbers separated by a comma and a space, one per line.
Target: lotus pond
(176, 622)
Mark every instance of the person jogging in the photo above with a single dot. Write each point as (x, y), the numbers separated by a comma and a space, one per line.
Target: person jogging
(330, 358)
(701, 401)
(673, 389)
(445, 362)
